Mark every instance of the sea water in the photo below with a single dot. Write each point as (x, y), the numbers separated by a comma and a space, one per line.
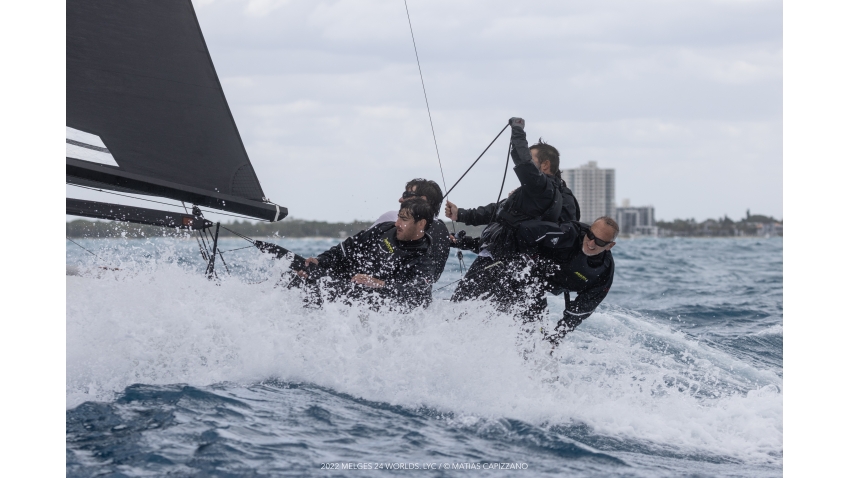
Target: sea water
(678, 372)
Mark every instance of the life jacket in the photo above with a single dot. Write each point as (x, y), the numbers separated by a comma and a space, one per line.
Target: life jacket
(576, 274)
(381, 255)
(548, 239)
(500, 236)
(509, 214)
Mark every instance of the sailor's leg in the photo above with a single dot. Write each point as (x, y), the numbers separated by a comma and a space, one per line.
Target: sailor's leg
(523, 292)
(478, 280)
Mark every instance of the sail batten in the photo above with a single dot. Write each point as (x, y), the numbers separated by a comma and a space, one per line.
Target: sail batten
(139, 78)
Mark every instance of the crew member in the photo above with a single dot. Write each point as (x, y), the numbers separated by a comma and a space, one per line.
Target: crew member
(580, 261)
(429, 191)
(560, 259)
(387, 264)
(542, 195)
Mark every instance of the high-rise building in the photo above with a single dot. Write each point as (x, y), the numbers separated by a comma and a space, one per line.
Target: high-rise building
(593, 188)
(636, 221)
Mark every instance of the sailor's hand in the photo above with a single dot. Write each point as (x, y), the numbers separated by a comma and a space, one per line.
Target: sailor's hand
(451, 211)
(307, 262)
(517, 123)
(458, 237)
(368, 281)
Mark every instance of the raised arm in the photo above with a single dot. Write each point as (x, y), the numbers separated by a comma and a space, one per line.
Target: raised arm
(536, 186)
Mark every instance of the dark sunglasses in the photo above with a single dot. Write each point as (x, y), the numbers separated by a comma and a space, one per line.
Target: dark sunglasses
(409, 194)
(599, 242)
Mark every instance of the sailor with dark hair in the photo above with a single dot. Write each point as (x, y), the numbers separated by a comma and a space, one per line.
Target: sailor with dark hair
(387, 264)
(542, 196)
(440, 246)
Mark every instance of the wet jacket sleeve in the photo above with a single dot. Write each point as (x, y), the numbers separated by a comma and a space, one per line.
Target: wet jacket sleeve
(479, 216)
(468, 243)
(582, 307)
(440, 248)
(339, 257)
(537, 190)
(411, 287)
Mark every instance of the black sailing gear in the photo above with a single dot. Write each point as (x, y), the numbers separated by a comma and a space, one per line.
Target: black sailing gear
(539, 197)
(440, 247)
(553, 261)
(571, 270)
(405, 266)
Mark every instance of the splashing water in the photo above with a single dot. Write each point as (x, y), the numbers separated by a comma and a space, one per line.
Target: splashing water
(680, 369)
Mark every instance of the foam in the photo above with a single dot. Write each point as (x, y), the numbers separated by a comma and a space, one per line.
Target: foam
(159, 321)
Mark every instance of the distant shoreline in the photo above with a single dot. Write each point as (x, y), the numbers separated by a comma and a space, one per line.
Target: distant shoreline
(751, 227)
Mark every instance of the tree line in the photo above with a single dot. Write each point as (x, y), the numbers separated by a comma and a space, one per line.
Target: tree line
(752, 225)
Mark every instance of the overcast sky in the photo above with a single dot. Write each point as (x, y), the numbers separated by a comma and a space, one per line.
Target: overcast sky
(682, 98)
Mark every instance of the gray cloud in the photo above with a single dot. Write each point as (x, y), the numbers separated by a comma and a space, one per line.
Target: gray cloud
(684, 99)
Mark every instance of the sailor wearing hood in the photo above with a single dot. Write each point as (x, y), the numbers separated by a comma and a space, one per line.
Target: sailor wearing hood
(387, 264)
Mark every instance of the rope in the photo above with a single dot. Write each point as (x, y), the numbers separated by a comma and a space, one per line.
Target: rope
(83, 248)
(197, 238)
(422, 79)
(462, 278)
(237, 249)
(240, 235)
(502, 188)
(476, 160)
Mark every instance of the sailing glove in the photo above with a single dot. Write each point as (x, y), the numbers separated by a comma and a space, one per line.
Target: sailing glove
(517, 123)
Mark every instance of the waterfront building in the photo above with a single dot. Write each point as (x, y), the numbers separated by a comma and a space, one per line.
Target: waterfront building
(594, 188)
(636, 221)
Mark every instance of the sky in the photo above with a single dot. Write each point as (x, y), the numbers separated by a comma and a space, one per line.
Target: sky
(682, 99)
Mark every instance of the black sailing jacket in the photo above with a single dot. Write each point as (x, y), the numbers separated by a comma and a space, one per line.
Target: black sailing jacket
(540, 196)
(440, 247)
(405, 266)
(574, 271)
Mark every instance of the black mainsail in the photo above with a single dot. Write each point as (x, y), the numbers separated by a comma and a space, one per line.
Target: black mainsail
(139, 77)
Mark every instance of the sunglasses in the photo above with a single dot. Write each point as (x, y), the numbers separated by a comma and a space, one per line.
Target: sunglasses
(409, 194)
(599, 242)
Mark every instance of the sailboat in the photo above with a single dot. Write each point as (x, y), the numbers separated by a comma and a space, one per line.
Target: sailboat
(146, 115)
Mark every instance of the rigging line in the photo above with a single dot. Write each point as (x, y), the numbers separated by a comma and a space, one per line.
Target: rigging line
(430, 120)
(237, 249)
(83, 248)
(422, 79)
(476, 160)
(221, 254)
(476, 273)
(207, 248)
(507, 161)
(240, 235)
(203, 256)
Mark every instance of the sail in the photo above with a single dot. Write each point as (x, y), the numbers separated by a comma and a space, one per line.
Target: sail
(139, 78)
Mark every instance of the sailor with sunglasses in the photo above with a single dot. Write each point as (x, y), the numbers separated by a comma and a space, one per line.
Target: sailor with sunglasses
(577, 261)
